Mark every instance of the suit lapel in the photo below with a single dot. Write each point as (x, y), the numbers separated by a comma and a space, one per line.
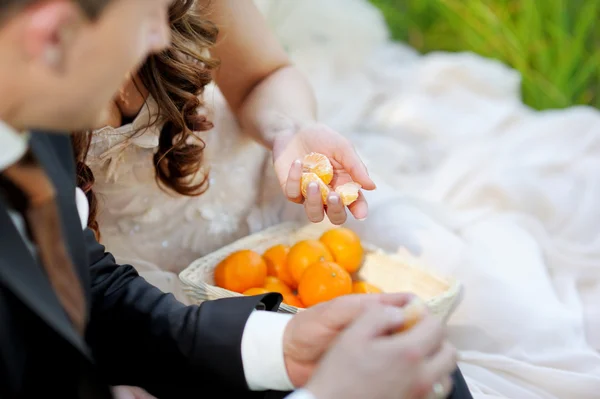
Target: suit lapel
(18, 268)
(25, 278)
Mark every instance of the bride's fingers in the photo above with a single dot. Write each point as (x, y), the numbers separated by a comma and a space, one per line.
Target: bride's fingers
(293, 182)
(359, 208)
(336, 211)
(355, 167)
(313, 204)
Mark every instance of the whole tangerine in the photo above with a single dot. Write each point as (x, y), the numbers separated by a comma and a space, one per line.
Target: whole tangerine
(345, 246)
(303, 254)
(362, 287)
(256, 291)
(241, 271)
(293, 300)
(276, 259)
(273, 284)
(322, 282)
(318, 164)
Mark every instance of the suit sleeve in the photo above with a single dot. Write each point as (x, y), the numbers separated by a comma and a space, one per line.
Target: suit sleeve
(143, 337)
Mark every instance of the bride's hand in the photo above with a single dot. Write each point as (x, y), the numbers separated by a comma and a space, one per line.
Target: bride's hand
(288, 151)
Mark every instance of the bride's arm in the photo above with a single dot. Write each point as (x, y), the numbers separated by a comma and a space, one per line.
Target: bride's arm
(265, 91)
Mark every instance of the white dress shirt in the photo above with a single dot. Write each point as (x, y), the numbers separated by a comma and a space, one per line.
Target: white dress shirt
(262, 341)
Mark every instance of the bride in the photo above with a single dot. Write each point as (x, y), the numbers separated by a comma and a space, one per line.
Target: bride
(165, 187)
(450, 147)
(162, 195)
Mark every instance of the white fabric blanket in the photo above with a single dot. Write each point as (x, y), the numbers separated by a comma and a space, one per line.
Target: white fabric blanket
(504, 198)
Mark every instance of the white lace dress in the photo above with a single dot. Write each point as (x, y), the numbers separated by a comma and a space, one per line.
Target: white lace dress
(161, 232)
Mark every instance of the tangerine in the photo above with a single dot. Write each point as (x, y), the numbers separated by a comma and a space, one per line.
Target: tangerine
(304, 254)
(322, 282)
(293, 300)
(348, 192)
(276, 259)
(308, 178)
(362, 287)
(273, 284)
(345, 246)
(256, 291)
(413, 312)
(241, 271)
(318, 164)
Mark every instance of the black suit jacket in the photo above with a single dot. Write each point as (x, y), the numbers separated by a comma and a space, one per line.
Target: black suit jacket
(136, 335)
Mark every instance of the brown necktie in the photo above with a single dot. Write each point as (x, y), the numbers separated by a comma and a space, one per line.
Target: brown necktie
(38, 206)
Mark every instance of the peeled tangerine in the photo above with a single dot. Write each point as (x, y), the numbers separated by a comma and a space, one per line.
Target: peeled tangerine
(348, 192)
(413, 312)
(308, 178)
(319, 165)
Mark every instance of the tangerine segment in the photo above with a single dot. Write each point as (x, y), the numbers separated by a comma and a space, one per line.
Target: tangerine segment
(322, 282)
(304, 254)
(318, 164)
(362, 287)
(308, 178)
(256, 291)
(348, 192)
(276, 259)
(345, 246)
(241, 271)
(292, 300)
(273, 284)
(413, 312)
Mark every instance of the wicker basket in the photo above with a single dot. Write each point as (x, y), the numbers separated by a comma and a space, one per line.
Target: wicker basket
(391, 273)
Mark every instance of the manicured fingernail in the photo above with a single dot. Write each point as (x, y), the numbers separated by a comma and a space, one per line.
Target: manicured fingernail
(297, 163)
(334, 199)
(361, 219)
(313, 188)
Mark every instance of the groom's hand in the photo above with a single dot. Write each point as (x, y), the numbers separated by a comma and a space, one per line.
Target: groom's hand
(311, 332)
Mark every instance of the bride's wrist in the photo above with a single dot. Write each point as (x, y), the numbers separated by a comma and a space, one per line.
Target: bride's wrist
(277, 128)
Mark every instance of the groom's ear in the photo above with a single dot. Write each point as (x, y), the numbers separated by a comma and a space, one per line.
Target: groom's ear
(48, 29)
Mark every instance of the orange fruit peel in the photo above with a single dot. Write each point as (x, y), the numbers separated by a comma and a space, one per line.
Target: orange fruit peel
(322, 282)
(348, 192)
(276, 259)
(345, 246)
(241, 271)
(293, 300)
(274, 284)
(304, 254)
(413, 312)
(256, 291)
(308, 178)
(362, 287)
(319, 165)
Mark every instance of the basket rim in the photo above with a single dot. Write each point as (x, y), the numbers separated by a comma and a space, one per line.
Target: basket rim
(452, 294)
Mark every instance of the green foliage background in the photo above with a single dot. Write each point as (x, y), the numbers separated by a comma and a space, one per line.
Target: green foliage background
(555, 44)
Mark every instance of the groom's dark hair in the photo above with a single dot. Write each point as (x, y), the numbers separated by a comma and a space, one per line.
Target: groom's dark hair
(92, 8)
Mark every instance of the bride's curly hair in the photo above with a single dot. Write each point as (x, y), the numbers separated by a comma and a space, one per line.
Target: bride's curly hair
(175, 79)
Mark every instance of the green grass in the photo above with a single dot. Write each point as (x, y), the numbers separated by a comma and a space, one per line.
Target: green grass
(555, 44)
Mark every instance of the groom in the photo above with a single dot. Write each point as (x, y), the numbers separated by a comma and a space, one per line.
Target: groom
(72, 321)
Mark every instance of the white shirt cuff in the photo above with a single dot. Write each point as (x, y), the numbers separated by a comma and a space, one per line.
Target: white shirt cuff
(262, 352)
(301, 394)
